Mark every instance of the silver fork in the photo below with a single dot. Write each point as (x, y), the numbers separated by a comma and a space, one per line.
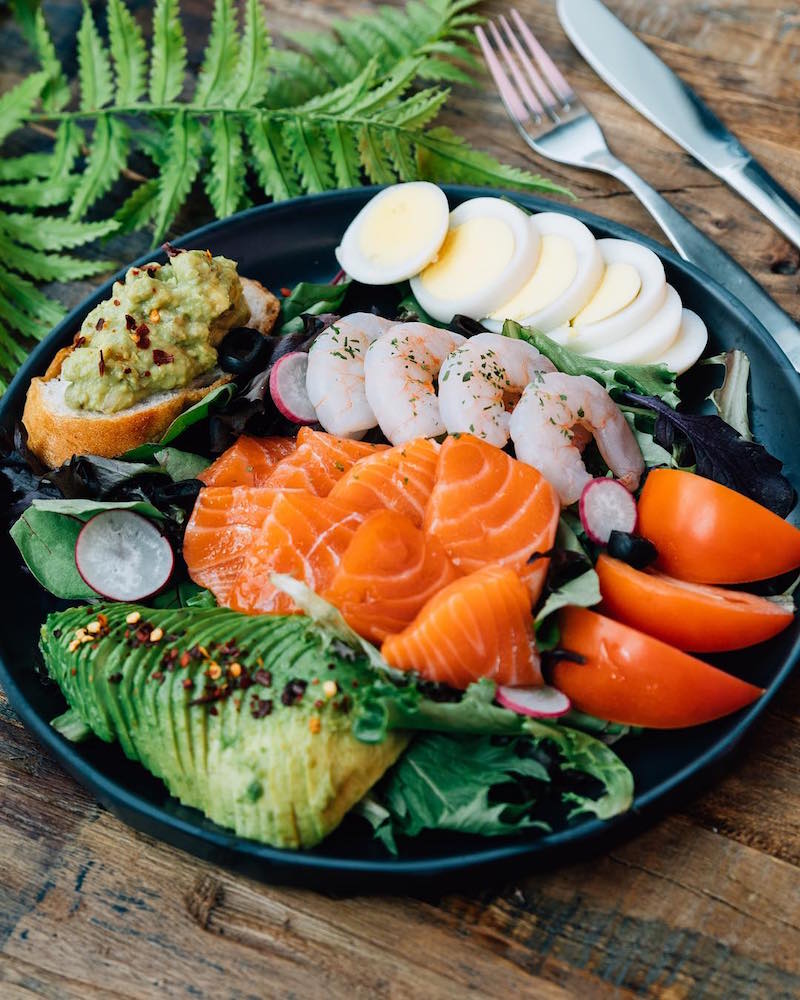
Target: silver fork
(554, 122)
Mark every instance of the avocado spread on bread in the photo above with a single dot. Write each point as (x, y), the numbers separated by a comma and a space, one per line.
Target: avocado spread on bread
(159, 330)
(247, 718)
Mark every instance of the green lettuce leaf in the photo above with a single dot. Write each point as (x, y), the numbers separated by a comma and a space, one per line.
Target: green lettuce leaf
(214, 400)
(649, 380)
(308, 297)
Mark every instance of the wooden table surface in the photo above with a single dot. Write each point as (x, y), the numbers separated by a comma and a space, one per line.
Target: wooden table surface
(706, 903)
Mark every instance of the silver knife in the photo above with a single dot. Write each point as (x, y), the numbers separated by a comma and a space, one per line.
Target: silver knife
(637, 74)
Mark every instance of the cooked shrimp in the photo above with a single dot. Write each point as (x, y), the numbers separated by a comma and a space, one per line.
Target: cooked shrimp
(401, 368)
(335, 377)
(480, 379)
(553, 422)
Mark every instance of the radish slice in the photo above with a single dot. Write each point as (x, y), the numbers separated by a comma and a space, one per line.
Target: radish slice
(542, 702)
(123, 556)
(605, 506)
(287, 386)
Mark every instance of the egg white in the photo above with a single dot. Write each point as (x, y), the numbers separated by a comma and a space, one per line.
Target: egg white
(688, 346)
(587, 278)
(594, 336)
(476, 298)
(427, 219)
(651, 340)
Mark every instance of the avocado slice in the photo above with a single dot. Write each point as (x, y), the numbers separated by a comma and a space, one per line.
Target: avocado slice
(235, 713)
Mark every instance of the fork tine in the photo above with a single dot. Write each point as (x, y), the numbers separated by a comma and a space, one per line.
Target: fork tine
(527, 95)
(549, 69)
(511, 99)
(546, 96)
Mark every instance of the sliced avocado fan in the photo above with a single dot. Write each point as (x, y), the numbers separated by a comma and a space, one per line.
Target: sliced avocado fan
(247, 718)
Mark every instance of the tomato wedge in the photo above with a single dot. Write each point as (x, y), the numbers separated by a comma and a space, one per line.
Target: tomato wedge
(631, 678)
(691, 616)
(707, 533)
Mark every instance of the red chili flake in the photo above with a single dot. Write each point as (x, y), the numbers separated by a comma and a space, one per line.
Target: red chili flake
(100, 324)
(263, 677)
(170, 250)
(153, 270)
(188, 683)
(146, 374)
(116, 302)
(213, 710)
(126, 371)
(101, 364)
(142, 335)
(158, 675)
(286, 292)
(355, 684)
(260, 708)
(184, 660)
(162, 357)
(130, 322)
(293, 691)
(319, 703)
(79, 340)
(135, 270)
(74, 671)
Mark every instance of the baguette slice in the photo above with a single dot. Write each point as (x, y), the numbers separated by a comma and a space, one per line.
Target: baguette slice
(56, 432)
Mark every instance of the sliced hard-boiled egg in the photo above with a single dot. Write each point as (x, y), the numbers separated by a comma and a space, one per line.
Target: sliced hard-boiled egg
(489, 251)
(632, 291)
(688, 346)
(566, 276)
(396, 234)
(651, 340)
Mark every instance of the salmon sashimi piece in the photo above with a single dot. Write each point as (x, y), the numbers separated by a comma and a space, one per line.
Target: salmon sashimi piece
(223, 525)
(248, 462)
(487, 507)
(319, 462)
(478, 626)
(400, 478)
(389, 571)
(303, 535)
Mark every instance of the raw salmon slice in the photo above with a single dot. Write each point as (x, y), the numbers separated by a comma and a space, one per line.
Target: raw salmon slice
(478, 626)
(486, 507)
(399, 478)
(389, 571)
(319, 462)
(223, 525)
(249, 462)
(302, 535)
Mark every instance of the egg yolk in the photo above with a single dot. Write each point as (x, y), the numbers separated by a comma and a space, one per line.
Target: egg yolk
(472, 256)
(552, 276)
(399, 225)
(620, 285)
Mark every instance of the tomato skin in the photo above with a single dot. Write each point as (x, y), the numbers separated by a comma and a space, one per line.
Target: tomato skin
(690, 616)
(631, 678)
(707, 533)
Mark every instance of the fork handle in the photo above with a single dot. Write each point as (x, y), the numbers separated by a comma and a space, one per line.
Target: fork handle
(697, 248)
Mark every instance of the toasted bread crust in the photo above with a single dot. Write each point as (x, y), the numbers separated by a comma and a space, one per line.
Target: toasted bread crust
(55, 437)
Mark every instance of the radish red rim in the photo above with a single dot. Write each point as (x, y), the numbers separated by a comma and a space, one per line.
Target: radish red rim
(287, 386)
(666, 766)
(605, 505)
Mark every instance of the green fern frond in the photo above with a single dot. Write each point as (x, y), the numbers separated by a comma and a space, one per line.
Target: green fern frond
(271, 158)
(182, 166)
(168, 61)
(344, 154)
(220, 58)
(374, 156)
(42, 266)
(18, 168)
(17, 103)
(225, 180)
(310, 158)
(106, 160)
(252, 77)
(39, 192)
(94, 69)
(53, 232)
(55, 93)
(139, 207)
(421, 108)
(294, 78)
(128, 54)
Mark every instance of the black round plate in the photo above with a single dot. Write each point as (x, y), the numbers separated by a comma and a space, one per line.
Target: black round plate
(282, 245)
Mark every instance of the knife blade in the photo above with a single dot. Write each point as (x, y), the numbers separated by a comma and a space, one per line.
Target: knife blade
(637, 74)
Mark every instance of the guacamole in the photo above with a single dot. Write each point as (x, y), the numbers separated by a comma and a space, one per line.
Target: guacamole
(159, 330)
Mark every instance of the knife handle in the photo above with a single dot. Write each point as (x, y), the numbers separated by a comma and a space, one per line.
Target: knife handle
(755, 184)
(697, 248)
